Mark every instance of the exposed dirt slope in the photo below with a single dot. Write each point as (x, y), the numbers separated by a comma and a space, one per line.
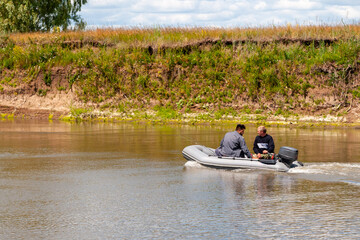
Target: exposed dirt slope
(34, 98)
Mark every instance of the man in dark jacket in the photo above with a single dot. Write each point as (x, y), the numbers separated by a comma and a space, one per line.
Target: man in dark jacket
(233, 144)
(264, 144)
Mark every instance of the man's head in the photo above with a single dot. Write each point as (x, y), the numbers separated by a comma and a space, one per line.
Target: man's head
(240, 128)
(261, 131)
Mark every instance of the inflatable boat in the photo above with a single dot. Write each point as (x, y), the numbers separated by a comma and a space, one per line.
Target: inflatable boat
(285, 160)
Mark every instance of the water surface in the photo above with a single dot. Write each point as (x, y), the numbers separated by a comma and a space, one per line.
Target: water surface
(130, 181)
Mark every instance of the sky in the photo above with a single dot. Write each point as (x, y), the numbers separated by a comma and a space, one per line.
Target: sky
(218, 13)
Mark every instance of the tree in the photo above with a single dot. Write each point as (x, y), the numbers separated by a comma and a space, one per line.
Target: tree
(39, 15)
(16, 16)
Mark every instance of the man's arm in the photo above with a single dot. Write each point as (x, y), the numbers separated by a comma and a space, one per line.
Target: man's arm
(222, 142)
(244, 148)
(256, 148)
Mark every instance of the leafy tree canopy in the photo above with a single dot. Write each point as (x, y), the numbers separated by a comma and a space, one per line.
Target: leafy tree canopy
(39, 15)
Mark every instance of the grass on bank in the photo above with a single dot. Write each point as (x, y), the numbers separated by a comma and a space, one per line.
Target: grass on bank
(203, 78)
(256, 70)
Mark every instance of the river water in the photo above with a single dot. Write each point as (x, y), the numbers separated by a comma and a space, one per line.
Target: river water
(130, 181)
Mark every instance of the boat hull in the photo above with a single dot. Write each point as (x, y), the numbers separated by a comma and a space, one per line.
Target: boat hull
(206, 156)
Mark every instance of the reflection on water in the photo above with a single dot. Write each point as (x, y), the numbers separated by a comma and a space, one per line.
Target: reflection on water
(280, 205)
(128, 181)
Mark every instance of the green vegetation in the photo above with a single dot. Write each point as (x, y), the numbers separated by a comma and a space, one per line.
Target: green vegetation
(275, 71)
(38, 15)
(166, 113)
(78, 112)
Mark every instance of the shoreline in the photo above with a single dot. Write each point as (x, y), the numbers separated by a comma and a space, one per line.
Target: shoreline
(153, 117)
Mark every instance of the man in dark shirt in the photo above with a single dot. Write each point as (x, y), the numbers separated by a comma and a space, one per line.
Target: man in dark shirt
(233, 144)
(263, 144)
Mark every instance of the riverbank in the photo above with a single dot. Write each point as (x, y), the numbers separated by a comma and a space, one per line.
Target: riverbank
(285, 74)
(170, 117)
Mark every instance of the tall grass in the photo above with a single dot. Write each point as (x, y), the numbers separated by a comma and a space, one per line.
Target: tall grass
(137, 36)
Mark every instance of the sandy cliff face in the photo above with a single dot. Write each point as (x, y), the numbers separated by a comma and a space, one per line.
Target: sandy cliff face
(34, 106)
(37, 100)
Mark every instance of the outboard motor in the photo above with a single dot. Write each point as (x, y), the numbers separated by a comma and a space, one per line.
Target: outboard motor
(288, 155)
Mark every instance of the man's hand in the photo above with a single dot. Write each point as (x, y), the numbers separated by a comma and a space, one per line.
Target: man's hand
(265, 152)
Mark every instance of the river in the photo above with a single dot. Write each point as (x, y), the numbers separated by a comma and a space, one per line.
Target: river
(129, 181)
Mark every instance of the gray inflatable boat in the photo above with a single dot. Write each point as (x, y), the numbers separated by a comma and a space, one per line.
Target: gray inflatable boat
(285, 160)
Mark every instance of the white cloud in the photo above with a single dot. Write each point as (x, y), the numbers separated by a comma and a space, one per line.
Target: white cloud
(163, 6)
(210, 6)
(106, 3)
(341, 3)
(225, 15)
(260, 6)
(154, 19)
(298, 4)
(217, 12)
(345, 11)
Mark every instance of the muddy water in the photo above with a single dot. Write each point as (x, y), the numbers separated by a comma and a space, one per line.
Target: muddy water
(124, 181)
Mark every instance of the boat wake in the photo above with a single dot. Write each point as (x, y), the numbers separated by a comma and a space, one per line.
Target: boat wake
(328, 168)
(193, 164)
(329, 172)
(333, 172)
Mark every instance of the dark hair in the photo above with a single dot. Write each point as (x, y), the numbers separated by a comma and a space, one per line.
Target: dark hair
(240, 127)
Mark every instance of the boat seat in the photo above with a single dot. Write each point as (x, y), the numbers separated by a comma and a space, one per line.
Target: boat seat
(208, 151)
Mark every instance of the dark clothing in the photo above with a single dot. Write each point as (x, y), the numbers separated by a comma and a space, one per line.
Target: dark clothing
(233, 145)
(264, 143)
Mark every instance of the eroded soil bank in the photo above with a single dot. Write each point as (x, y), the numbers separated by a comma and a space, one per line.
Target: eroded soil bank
(273, 80)
(67, 106)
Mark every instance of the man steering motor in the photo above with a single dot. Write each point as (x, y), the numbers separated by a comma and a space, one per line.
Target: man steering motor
(264, 144)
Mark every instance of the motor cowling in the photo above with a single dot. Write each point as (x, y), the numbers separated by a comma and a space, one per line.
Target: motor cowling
(288, 155)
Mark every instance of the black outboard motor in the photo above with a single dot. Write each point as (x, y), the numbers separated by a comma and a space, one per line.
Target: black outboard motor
(288, 155)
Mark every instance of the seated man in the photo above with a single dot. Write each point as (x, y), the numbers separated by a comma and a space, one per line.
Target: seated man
(264, 144)
(233, 144)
